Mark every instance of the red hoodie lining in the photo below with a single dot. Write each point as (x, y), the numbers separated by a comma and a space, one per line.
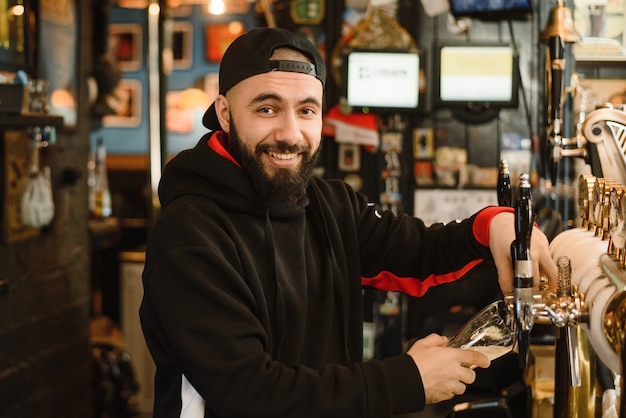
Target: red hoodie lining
(217, 142)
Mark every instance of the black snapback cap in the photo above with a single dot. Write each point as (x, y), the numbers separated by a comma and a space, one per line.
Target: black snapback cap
(249, 55)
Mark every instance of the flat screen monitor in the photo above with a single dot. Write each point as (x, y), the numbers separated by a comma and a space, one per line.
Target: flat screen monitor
(476, 76)
(382, 80)
(491, 9)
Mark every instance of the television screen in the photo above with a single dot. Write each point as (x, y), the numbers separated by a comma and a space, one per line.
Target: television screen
(382, 80)
(491, 9)
(476, 75)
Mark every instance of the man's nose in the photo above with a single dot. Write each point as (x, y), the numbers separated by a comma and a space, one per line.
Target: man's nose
(289, 129)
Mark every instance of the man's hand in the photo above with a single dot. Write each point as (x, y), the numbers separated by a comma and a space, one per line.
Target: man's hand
(444, 370)
(501, 235)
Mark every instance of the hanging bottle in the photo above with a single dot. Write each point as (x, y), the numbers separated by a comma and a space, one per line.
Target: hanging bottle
(100, 195)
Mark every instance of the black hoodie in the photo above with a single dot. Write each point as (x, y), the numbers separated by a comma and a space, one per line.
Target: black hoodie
(256, 311)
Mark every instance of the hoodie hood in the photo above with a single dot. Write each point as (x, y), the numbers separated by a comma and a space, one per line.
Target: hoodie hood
(208, 170)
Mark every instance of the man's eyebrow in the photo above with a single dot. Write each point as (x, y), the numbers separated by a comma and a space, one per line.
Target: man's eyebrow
(273, 96)
(266, 96)
(311, 100)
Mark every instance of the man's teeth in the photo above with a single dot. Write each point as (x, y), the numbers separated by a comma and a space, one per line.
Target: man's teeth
(282, 156)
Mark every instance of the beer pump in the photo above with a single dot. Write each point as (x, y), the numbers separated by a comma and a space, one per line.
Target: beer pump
(558, 32)
(598, 272)
(588, 307)
(563, 307)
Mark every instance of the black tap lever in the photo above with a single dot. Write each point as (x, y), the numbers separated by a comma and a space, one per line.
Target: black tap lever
(523, 269)
(505, 196)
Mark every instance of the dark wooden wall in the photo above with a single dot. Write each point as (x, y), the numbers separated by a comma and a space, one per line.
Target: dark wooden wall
(45, 362)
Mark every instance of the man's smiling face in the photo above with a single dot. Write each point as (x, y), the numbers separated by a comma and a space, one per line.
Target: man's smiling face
(274, 122)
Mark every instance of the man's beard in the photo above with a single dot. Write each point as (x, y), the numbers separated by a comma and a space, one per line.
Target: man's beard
(284, 185)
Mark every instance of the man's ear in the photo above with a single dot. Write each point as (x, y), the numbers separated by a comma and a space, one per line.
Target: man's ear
(222, 112)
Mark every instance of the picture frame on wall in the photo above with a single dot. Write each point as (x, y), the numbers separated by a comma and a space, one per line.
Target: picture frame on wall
(211, 85)
(182, 10)
(423, 173)
(182, 45)
(177, 120)
(219, 36)
(57, 46)
(126, 102)
(602, 27)
(231, 7)
(423, 143)
(133, 4)
(125, 45)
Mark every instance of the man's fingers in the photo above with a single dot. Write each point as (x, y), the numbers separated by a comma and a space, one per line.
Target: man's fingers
(471, 358)
(432, 340)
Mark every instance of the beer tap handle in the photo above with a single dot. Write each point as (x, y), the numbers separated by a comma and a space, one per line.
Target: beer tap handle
(556, 48)
(522, 269)
(505, 197)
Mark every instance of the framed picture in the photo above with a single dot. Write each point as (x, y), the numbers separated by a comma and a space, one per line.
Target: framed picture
(423, 173)
(57, 46)
(133, 4)
(602, 27)
(230, 7)
(126, 102)
(182, 45)
(177, 119)
(212, 86)
(423, 143)
(181, 10)
(125, 45)
(219, 36)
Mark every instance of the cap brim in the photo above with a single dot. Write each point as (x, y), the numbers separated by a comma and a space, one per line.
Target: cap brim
(210, 119)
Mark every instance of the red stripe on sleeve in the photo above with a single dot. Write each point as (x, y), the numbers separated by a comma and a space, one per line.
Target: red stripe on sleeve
(480, 227)
(414, 287)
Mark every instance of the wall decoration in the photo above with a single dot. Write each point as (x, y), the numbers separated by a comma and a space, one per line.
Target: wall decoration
(177, 119)
(423, 143)
(126, 102)
(445, 205)
(211, 85)
(133, 4)
(307, 12)
(58, 34)
(181, 10)
(14, 145)
(423, 173)
(349, 157)
(182, 45)
(219, 36)
(125, 45)
(231, 7)
(601, 25)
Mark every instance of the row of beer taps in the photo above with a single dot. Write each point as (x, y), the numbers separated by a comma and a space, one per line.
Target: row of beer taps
(562, 306)
(588, 307)
(590, 295)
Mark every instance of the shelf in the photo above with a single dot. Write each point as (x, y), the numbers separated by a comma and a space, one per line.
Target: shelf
(105, 233)
(30, 119)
